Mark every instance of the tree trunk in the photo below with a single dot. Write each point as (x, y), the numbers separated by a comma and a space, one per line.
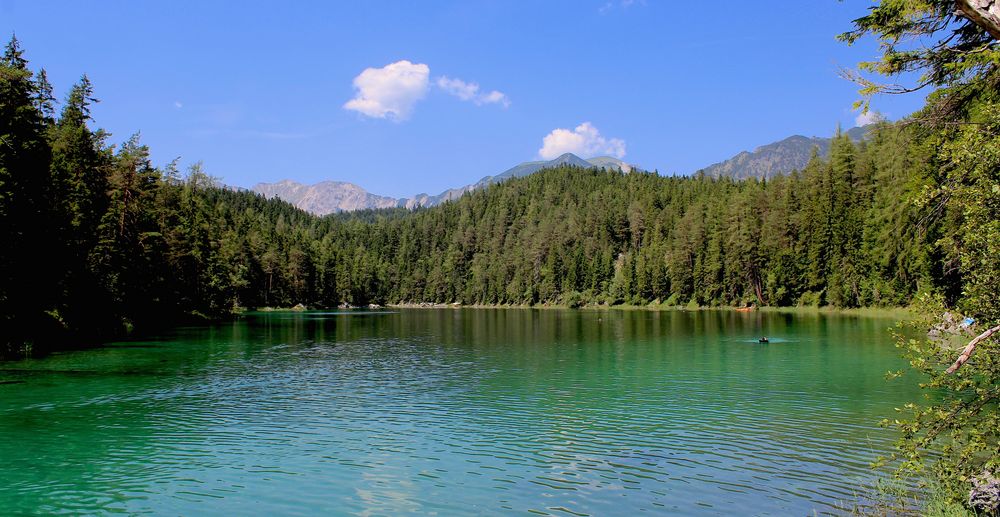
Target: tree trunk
(984, 13)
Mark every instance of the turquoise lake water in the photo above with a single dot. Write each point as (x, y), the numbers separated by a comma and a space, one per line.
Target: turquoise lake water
(457, 412)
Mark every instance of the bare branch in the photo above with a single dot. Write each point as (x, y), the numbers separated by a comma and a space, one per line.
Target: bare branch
(967, 352)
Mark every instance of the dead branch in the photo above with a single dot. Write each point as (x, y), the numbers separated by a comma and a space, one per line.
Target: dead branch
(967, 351)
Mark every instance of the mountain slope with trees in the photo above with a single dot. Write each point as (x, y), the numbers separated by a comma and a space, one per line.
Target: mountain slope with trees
(331, 197)
(777, 158)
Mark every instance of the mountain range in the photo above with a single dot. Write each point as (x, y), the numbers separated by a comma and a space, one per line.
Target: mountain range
(766, 161)
(328, 197)
(776, 158)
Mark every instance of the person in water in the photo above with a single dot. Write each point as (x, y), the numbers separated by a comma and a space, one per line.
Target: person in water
(763, 340)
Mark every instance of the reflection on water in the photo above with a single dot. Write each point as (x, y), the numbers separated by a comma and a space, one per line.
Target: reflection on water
(457, 412)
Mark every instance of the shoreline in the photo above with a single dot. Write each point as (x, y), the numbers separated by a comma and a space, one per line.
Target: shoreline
(896, 312)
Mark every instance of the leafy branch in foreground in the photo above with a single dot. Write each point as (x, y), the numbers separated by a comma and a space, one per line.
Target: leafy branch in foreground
(954, 435)
(955, 46)
(948, 42)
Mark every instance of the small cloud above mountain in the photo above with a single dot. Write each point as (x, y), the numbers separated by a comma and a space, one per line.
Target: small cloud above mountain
(584, 140)
(867, 118)
(391, 91)
(470, 92)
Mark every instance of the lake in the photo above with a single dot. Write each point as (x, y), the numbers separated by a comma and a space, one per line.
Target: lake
(457, 411)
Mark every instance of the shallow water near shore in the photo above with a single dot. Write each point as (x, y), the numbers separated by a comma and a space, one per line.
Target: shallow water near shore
(457, 411)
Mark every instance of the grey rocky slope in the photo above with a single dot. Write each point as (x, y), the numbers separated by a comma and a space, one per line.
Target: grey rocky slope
(326, 197)
(330, 197)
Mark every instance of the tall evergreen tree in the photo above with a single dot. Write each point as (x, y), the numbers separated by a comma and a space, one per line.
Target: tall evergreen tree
(26, 289)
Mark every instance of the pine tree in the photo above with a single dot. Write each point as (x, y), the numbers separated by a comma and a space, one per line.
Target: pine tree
(26, 288)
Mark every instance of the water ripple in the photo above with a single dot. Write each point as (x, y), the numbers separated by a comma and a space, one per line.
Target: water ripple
(452, 412)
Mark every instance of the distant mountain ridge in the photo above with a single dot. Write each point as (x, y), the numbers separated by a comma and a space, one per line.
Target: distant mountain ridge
(328, 197)
(517, 171)
(776, 158)
(325, 197)
(766, 161)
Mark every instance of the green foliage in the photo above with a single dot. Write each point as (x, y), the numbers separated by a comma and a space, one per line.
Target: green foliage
(26, 216)
(926, 36)
(135, 244)
(98, 241)
(973, 186)
(952, 436)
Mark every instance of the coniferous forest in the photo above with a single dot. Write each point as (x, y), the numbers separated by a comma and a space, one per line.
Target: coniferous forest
(98, 240)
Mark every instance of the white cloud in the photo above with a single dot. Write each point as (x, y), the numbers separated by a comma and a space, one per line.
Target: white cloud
(178, 104)
(585, 141)
(470, 92)
(390, 91)
(624, 4)
(868, 117)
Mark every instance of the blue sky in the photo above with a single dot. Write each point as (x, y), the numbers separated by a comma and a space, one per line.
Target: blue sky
(261, 91)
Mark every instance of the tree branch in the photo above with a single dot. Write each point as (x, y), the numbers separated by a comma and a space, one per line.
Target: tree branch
(967, 351)
(984, 13)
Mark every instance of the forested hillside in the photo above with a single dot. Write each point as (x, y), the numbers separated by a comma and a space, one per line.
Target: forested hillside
(838, 233)
(331, 197)
(98, 240)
